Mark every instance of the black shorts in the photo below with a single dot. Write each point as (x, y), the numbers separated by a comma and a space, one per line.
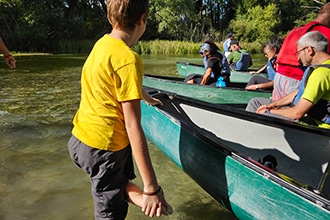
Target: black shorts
(109, 173)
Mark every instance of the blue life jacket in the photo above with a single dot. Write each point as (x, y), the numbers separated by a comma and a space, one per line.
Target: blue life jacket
(225, 66)
(244, 62)
(321, 109)
(270, 68)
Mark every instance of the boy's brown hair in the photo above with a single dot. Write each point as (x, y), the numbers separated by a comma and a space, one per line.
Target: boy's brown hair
(123, 14)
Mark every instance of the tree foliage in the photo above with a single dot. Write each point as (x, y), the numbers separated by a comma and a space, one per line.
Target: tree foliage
(43, 25)
(174, 17)
(258, 24)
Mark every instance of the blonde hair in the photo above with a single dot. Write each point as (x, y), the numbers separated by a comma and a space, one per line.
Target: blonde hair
(123, 14)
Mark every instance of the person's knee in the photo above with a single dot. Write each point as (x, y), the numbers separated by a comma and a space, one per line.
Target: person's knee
(252, 105)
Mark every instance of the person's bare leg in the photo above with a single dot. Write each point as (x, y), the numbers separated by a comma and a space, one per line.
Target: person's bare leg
(135, 196)
(190, 81)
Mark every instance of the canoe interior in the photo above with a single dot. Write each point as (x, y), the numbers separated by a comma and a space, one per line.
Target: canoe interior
(233, 85)
(228, 95)
(301, 151)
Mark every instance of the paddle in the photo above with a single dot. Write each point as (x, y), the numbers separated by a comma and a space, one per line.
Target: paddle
(323, 179)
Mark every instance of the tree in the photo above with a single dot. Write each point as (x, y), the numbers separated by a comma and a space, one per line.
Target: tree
(43, 25)
(257, 25)
(173, 17)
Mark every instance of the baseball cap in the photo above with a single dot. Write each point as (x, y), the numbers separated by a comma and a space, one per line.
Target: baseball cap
(230, 35)
(204, 47)
(234, 42)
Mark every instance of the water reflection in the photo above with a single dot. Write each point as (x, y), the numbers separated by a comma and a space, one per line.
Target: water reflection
(37, 178)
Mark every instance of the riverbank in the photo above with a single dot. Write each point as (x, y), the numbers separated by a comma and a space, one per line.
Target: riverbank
(19, 54)
(155, 47)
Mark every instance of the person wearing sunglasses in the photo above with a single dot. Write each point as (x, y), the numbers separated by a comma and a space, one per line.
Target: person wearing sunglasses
(271, 50)
(217, 71)
(310, 103)
(289, 70)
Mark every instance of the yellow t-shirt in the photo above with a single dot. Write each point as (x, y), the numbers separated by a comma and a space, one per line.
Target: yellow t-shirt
(111, 74)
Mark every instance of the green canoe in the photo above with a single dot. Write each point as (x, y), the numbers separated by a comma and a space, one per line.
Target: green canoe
(218, 146)
(184, 69)
(236, 94)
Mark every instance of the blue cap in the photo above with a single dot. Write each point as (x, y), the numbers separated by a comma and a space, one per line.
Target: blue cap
(230, 35)
(204, 47)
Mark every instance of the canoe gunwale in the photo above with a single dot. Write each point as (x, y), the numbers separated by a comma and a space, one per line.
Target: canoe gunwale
(191, 64)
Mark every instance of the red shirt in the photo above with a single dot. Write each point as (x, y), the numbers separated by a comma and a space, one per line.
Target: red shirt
(287, 60)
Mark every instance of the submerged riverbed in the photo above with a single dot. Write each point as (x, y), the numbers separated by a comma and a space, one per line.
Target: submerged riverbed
(37, 178)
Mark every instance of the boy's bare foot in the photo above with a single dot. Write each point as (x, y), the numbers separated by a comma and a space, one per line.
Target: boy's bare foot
(134, 194)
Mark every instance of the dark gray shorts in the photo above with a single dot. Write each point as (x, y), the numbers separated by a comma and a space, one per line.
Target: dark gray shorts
(109, 173)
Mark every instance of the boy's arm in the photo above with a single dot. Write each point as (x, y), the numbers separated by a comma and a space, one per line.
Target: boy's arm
(132, 116)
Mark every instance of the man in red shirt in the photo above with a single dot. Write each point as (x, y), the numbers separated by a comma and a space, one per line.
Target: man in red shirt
(289, 73)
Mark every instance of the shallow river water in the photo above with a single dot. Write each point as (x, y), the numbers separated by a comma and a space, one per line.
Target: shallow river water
(37, 178)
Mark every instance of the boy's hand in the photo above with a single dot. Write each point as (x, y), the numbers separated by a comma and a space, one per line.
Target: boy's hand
(156, 205)
(153, 101)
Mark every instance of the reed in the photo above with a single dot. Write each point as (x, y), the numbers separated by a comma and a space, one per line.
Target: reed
(165, 47)
(73, 46)
(154, 47)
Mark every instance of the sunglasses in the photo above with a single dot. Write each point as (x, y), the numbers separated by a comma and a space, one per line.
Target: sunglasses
(202, 53)
(299, 51)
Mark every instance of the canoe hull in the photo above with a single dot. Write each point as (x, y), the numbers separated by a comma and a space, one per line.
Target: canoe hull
(248, 190)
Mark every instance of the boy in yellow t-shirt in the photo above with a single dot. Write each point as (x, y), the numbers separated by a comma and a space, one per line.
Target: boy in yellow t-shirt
(107, 128)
